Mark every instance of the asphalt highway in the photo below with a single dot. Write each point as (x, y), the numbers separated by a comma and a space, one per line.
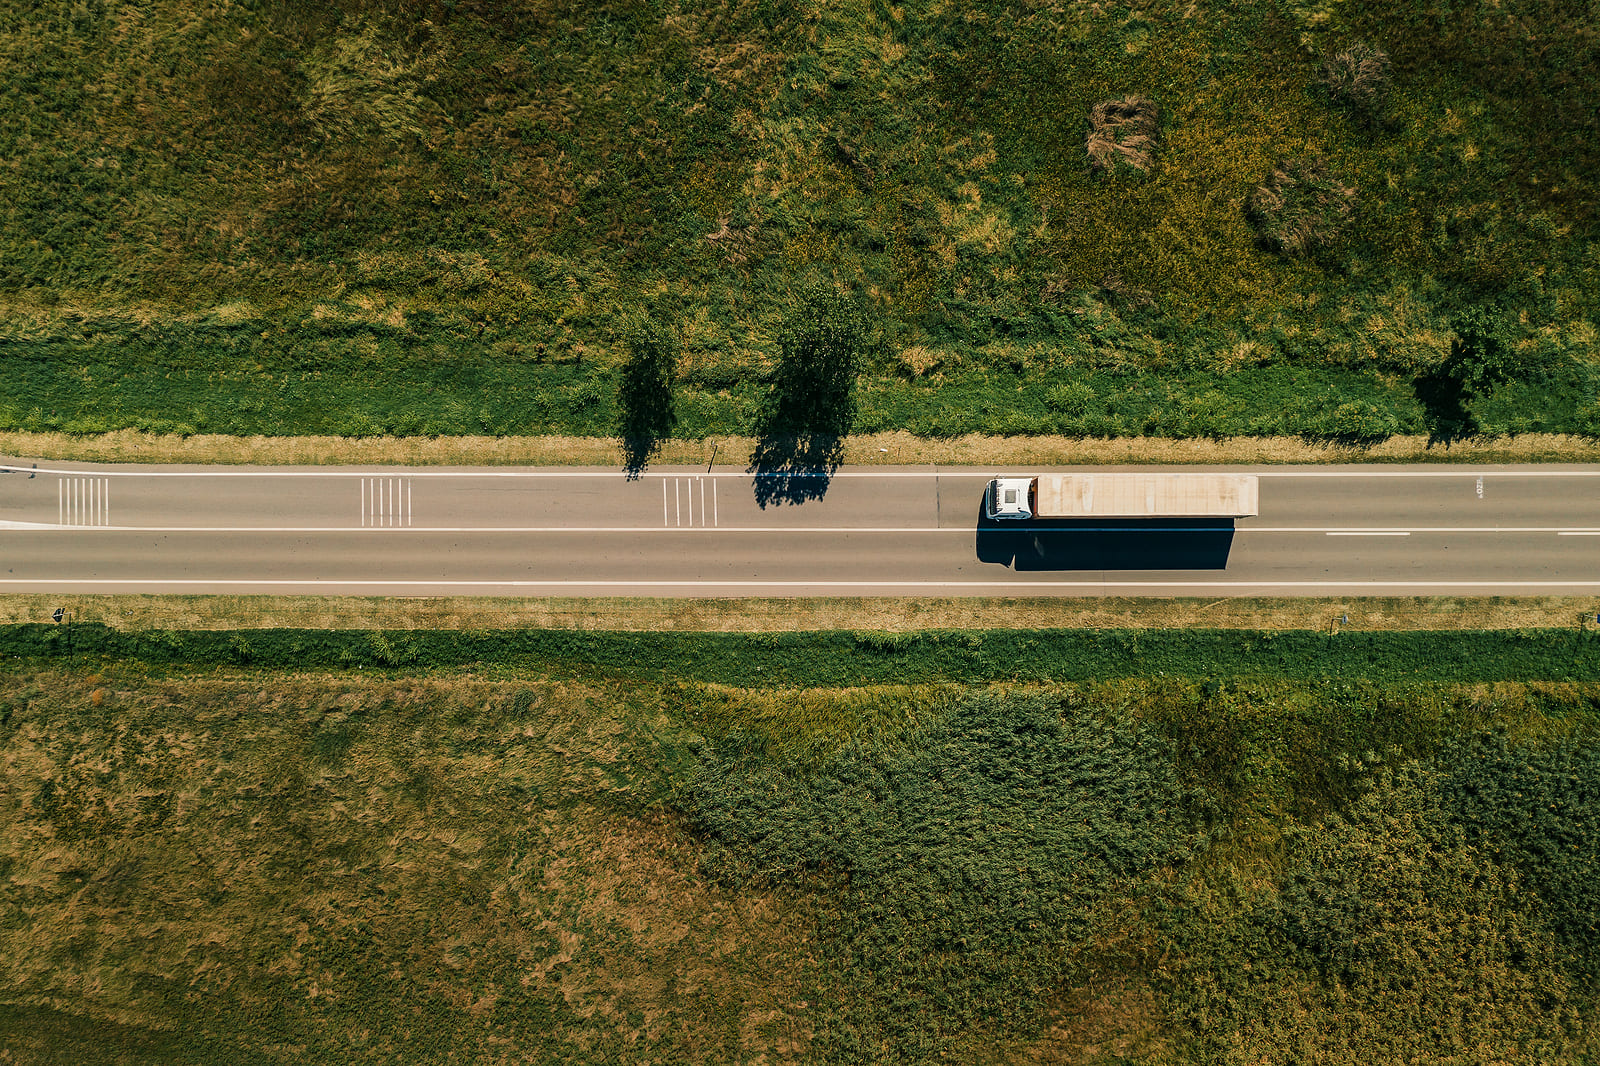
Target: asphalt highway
(865, 531)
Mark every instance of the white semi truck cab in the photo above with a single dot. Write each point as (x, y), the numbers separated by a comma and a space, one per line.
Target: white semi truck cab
(1139, 495)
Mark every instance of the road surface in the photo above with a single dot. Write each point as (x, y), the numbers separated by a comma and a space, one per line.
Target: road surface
(868, 531)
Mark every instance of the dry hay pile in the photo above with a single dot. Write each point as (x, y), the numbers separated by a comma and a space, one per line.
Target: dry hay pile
(1123, 134)
(1300, 206)
(1358, 77)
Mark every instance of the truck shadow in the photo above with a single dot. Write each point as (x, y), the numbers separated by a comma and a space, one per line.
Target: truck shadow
(1106, 544)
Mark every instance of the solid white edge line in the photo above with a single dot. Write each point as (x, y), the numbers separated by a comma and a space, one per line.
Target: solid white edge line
(18, 526)
(746, 475)
(756, 583)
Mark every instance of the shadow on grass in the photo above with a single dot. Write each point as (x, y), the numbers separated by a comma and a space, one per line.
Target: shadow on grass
(636, 453)
(794, 469)
(1444, 408)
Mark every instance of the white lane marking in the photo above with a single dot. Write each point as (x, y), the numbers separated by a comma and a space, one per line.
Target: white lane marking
(385, 502)
(1471, 472)
(968, 531)
(683, 490)
(757, 583)
(716, 519)
(82, 502)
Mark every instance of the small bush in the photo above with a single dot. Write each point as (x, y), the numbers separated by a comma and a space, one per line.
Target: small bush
(1358, 78)
(1073, 398)
(1299, 207)
(1357, 424)
(1587, 420)
(1124, 135)
(1482, 356)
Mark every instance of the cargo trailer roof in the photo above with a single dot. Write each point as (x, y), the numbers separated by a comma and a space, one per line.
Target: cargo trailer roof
(1147, 495)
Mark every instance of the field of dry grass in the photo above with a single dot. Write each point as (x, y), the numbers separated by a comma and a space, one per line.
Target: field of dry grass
(133, 446)
(451, 870)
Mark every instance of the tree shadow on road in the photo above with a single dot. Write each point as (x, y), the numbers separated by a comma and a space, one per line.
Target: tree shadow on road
(795, 468)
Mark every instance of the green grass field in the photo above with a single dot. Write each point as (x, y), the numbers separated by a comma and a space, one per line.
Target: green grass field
(440, 216)
(551, 860)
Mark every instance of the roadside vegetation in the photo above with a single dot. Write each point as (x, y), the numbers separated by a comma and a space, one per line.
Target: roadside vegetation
(845, 657)
(405, 217)
(136, 612)
(519, 862)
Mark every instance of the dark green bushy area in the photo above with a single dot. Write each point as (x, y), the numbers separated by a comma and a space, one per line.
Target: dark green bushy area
(834, 658)
(1538, 810)
(413, 217)
(960, 863)
(1296, 893)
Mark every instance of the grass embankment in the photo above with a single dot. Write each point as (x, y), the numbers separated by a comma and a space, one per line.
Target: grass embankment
(855, 658)
(353, 219)
(242, 865)
(892, 615)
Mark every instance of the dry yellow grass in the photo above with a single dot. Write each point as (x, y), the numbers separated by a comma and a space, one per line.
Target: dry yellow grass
(790, 615)
(345, 863)
(131, 446)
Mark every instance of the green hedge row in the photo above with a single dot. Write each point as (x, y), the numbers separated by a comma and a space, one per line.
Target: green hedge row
(842, 658)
